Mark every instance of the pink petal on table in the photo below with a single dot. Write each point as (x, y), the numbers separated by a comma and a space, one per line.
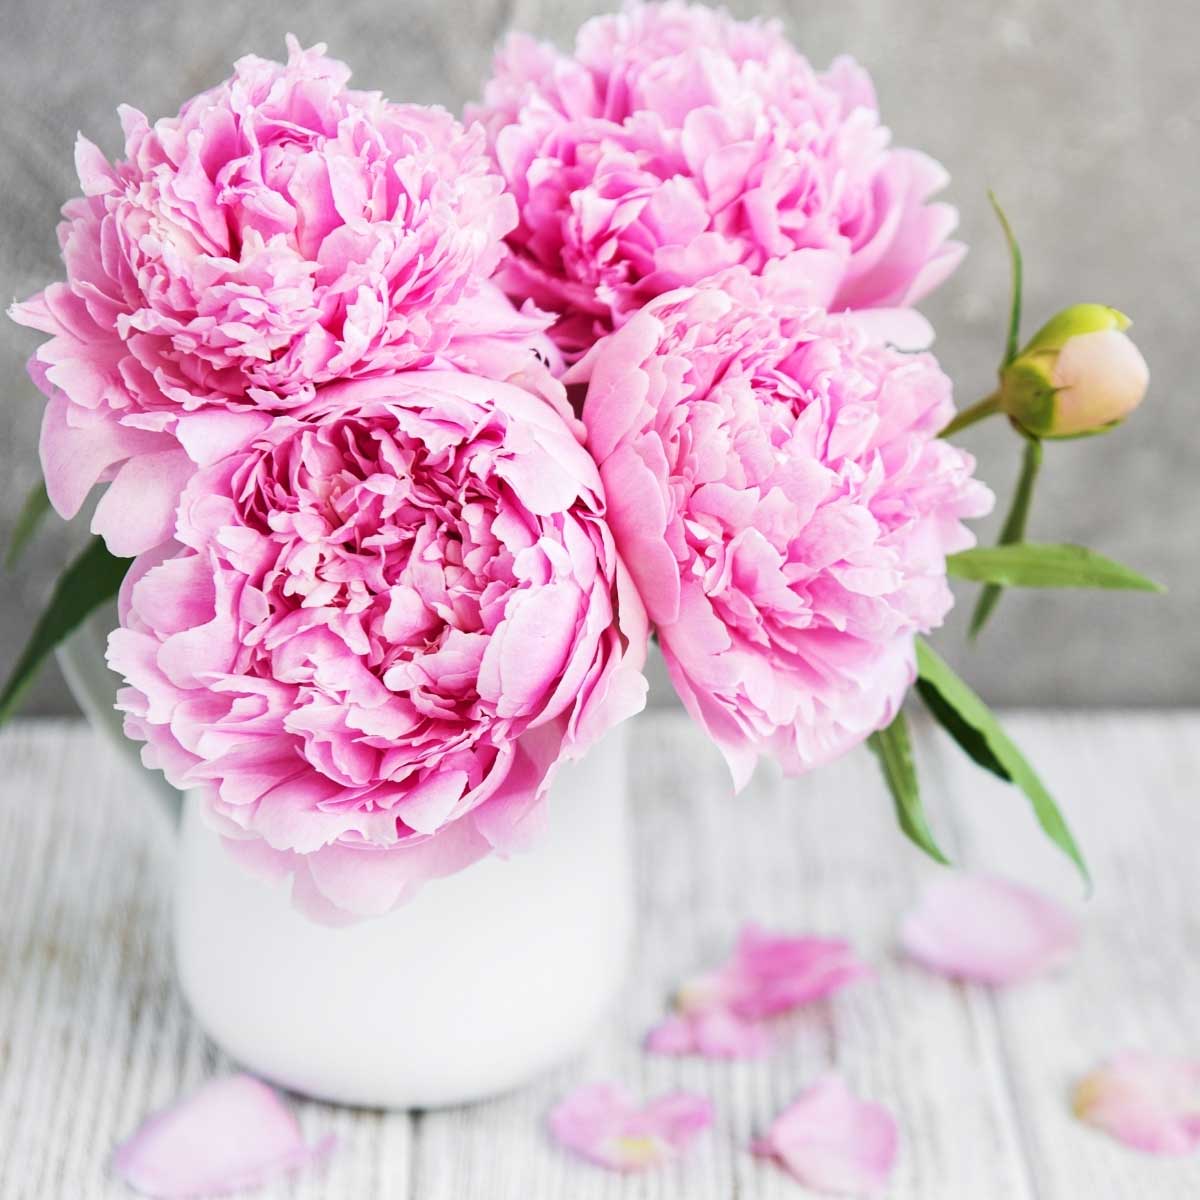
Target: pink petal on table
(600, 1122)
(832, 1141)
(770, 974)
(1148, 1101)
(987, 930)
(720, 1014)
(716, 1034)
(233, 1133)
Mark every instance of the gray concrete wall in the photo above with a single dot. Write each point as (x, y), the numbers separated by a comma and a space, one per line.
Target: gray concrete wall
(1084, 117)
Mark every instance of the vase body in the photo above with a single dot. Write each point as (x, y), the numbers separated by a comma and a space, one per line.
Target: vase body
(478, 984)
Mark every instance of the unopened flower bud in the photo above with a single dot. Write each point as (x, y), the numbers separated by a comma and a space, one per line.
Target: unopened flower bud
(1079, 374)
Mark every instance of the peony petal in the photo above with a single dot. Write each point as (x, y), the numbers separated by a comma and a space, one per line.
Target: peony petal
(903, 328)
(209, 436)
(78, 449)
(1148, 1101)
(137, 513)
(987, 930)
(233, 1133)
(769, 974)
(721, 1014)
(717, 1034)
(832, 1141)
(601, 1123)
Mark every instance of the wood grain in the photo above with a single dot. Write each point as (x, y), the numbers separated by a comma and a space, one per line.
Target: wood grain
(93, 1033)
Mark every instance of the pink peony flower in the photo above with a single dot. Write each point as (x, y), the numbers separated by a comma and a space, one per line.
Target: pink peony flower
(785, 506)
(281, 232)
(233, 1133)
(1150, 1102)
(601, 1123)
(386, 622)
(676, 142)
(833, 1142)
(987, 930)
(720, 1014)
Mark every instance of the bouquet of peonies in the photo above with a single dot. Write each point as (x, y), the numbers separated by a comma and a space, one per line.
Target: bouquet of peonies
(411, 433)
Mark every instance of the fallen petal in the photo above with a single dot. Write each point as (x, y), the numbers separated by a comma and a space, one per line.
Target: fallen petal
(832, 1141)
(233, 1133)
(717, 1034)
(771, 974)
(1148, 1101)
(600, 1122)
(720, 1014)
(987, 930)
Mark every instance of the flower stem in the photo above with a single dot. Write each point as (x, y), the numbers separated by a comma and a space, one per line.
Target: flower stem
(984, 408)
(1014, 528)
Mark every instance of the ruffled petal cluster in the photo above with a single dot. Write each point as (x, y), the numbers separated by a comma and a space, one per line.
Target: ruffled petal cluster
(777, 487)
(676, 142)
(281, 232)
(384, 623)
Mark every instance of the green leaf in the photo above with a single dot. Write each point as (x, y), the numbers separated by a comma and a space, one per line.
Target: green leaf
(36, 505)
(972, 711)
(1013, 344)
(1046, 565)
(93, 578)
(970, 741)
(1014, 528)
(893, 747)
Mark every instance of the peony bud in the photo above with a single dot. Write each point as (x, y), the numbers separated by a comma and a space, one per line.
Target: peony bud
(1078, 375)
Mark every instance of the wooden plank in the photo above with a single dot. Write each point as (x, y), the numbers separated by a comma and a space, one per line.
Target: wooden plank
(1129, 783)
(93, 1031)
(818, 854)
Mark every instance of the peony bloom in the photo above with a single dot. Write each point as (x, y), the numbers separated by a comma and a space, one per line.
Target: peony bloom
(386, 621)
(778, 490)
(676, 142)
(281, 232)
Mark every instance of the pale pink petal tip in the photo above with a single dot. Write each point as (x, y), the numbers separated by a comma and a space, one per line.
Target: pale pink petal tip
(832, 1141)
(987, 930)
(233, 1133)
(1148, 1101)
(601, 1123)
(722, 1014)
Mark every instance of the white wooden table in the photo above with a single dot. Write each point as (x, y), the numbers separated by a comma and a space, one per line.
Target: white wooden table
(94, 1035)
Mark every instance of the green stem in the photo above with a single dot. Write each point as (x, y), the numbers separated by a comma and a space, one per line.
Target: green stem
(984, 408)
(1014, 528)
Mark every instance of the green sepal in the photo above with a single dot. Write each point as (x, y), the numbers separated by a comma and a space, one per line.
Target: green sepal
(1073, 321)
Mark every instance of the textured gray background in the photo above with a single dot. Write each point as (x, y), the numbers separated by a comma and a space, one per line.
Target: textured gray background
(1084, 117)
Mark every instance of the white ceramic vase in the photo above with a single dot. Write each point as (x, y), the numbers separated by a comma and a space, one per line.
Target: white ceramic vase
(480, 983)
